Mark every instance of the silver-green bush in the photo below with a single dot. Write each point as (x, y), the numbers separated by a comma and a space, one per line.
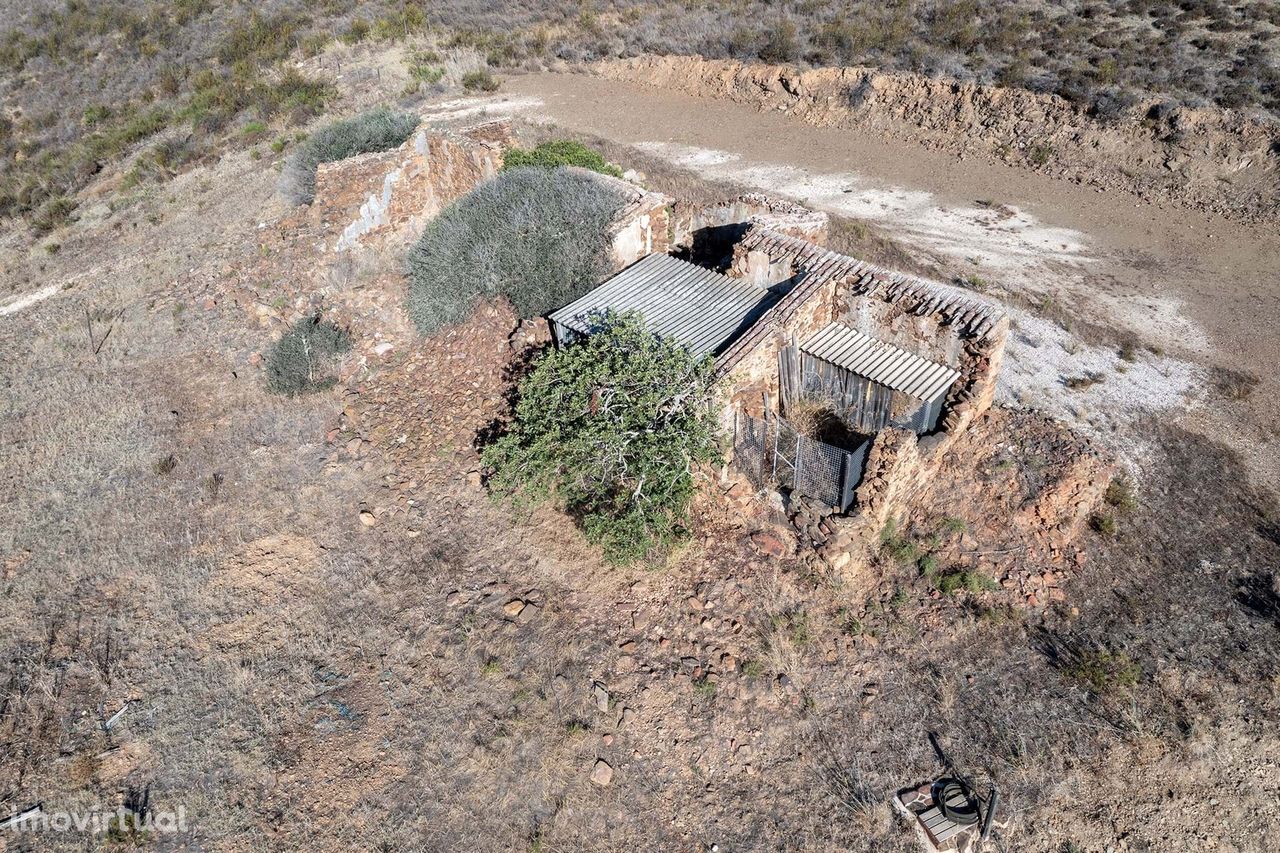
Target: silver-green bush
(300, 361)
(377, 130)
(536, 236)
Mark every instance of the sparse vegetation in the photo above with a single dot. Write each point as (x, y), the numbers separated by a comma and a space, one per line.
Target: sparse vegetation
(1103, 672)
(377, 130)
(560, 152)
(1104, 523)
(968, 580)
(897, 547)
(479, 81)
(534, 236)
(1109, 59)
(610, 429)
(301, 360)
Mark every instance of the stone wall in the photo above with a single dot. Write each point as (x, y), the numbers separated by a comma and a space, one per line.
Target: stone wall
(756, 373)
(643, 225)
(942, 323)
(372, 198)
(752, 208)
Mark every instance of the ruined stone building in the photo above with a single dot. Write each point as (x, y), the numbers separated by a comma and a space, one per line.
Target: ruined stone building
(843, 384)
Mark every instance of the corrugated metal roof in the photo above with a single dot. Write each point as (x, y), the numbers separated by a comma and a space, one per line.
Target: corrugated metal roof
(701, 309)
(881, 362)
(815, 266)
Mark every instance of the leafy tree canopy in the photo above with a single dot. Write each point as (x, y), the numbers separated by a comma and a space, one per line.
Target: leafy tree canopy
(609, 428)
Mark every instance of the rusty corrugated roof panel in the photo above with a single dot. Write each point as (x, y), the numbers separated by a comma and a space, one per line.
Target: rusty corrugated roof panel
(702, 309)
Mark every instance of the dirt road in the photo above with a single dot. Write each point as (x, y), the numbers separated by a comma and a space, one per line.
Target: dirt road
(1201, 292)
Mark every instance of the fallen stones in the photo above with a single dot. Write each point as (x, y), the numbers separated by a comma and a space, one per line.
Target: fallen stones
(601, 697)
(601, 773)
(769, 543)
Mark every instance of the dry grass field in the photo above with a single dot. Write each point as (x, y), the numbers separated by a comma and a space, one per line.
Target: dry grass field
(326, 636)
(84, 82)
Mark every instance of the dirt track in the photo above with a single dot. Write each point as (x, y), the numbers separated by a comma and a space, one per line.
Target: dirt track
(1202, 292)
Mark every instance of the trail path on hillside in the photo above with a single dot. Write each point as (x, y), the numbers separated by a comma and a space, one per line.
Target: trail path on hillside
(1201, 291)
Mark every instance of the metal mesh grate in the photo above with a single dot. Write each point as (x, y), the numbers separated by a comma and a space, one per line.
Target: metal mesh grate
(819, 471)
(770, 452)
(749, 448)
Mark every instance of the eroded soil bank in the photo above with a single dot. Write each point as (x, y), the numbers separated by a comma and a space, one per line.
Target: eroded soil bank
(1207, 159)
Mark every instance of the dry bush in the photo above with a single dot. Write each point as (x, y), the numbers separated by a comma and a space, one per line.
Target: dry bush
(301, 361)
(811, 417)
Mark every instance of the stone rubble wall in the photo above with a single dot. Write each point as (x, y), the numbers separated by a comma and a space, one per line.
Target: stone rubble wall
(373, 198)
(753, 208)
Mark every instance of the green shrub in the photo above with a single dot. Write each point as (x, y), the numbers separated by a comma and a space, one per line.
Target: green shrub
(357, 32)
(1103, 672)
(535, 236)
(969, 580)
(300, 361)
(429, 74)
(1104, 523)
(52, 215)
(609, 428)
(481, 81)
(782, 43)
(1040, 154)
(96, 114)
(560, 152)
(260, 39)
(376, 130)
(1120, 495)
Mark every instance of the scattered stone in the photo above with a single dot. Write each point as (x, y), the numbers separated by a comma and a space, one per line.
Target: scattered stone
(602, 773)
(473, 479)
(368, 519)
(769, 543)
(602, 697)
(513, 607)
